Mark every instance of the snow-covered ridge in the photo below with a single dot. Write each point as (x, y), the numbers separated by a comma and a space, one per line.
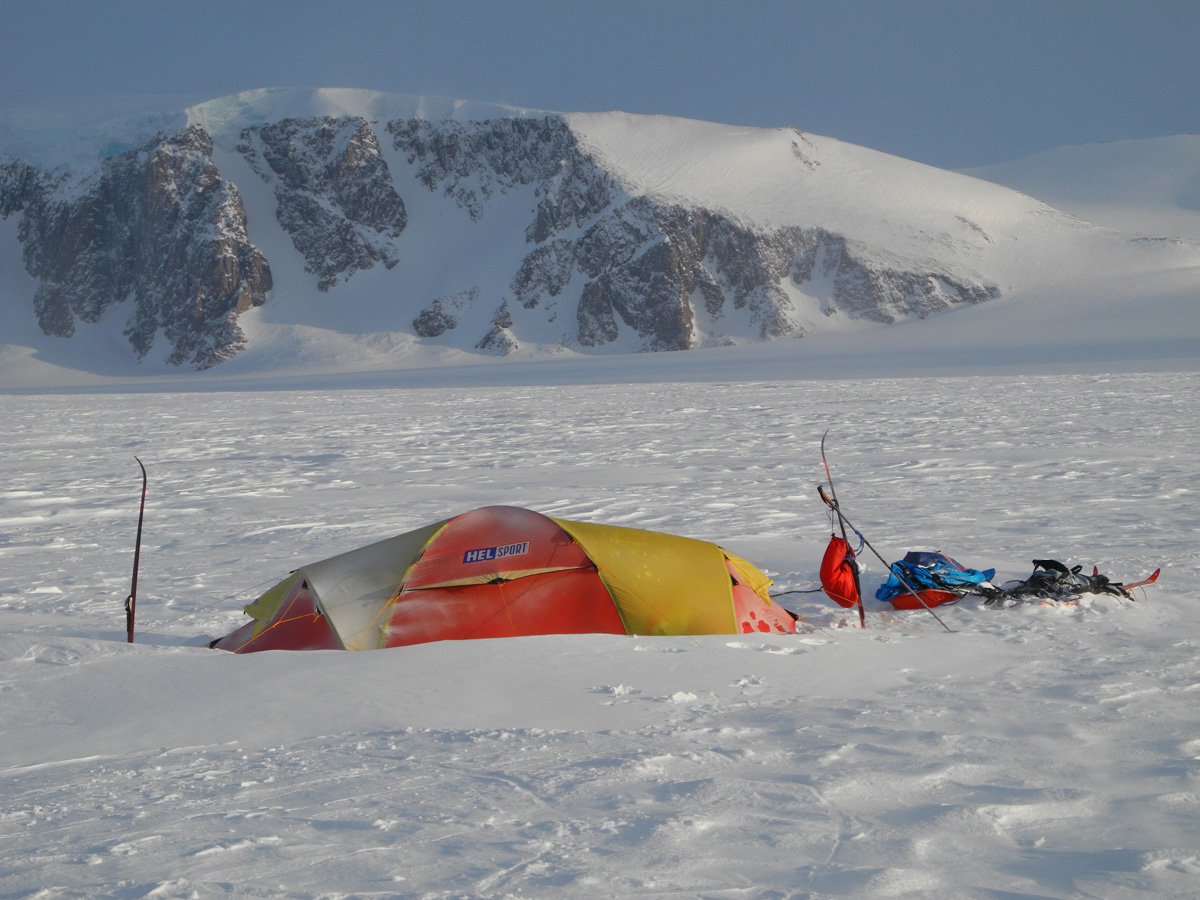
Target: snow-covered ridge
(79, 134)
(1141, 187)
(225, 117)
(784, 176)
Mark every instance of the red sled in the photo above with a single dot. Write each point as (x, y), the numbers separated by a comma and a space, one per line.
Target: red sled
(931, 597)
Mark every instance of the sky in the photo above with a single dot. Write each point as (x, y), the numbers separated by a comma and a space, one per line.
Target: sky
(952, 84)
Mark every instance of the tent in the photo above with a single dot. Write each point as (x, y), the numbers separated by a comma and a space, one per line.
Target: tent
(502, 571)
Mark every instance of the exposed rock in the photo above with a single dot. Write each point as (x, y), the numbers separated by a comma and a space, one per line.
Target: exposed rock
(158, 225)
(548, 268)
(499, 339)
(433, 321)
(444, 313)
(596, 319)
(19, 183)
(333, 190)
(472, 161)
(689, 255)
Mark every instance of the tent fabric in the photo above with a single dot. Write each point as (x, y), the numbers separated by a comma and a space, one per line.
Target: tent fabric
(503, 571)
(285, 618)
(351, 586)
(647, 572)
(499, 572)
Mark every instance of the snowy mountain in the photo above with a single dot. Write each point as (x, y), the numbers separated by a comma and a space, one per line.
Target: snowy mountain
(1149, 187)
(347, 230)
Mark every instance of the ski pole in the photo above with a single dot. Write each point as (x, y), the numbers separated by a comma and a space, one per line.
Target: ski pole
(131, 600)
(832, 504)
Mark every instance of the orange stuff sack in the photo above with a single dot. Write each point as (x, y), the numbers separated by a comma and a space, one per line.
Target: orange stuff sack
(837, 573)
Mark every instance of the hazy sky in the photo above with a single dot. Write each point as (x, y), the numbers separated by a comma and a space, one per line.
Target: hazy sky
(953, 83)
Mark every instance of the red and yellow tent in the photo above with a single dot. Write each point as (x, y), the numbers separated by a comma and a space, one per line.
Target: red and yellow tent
(502, 571)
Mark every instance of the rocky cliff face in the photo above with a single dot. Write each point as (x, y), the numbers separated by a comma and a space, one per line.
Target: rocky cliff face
(648, 266)
(161, 229)
(156, 226)
(472, 162)
(333, 191)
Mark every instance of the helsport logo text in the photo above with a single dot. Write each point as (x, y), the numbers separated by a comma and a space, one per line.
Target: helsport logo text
(482, 554)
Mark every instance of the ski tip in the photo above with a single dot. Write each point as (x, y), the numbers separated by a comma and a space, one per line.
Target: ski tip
(1150, 579)
(1126, 588)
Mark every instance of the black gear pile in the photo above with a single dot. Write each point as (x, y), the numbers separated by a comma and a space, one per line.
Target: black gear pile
(1051, 580)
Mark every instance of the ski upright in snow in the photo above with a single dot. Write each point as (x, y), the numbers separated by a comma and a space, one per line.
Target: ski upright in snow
(131, 600)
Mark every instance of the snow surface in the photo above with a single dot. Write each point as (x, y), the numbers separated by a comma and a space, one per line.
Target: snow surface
(1038, 752)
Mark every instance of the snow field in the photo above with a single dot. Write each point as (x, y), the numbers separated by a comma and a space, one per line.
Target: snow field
(1039, 752)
